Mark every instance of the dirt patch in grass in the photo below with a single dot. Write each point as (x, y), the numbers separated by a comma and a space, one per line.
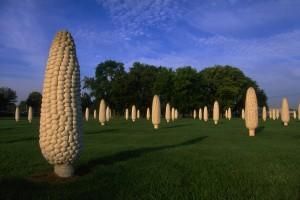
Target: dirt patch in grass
(51, 178)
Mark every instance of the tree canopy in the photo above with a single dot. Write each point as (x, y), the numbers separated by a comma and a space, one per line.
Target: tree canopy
(35, 100)
(185, 88)
(8, 98)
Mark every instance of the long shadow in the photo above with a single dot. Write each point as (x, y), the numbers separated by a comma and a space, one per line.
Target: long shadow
(260, 129)
(177, 125)
(19, 140)
(127, 155)
(5, 129)
(101, 131)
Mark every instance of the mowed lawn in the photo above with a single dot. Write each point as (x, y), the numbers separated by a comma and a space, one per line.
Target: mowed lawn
(187, 159)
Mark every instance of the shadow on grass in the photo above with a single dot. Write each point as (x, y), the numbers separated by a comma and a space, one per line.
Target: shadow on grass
(101, 131)
(176, 126)
(17, 188)
(19, 140)
(127, 155)
(5, 129)
(26, 187)
(260, 129)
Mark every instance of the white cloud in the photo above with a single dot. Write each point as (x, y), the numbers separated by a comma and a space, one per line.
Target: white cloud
(135, 17)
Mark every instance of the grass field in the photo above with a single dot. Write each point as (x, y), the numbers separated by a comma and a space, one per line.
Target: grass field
(187, 159)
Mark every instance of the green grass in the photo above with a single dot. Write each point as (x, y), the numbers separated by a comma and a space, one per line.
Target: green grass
(188, 159)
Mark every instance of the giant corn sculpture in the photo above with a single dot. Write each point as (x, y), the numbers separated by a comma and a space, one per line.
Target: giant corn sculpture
(205, 114)
(243, 113)
(30, 114)
(194, 114)
(168, 113)
(173, 114)
(17, 114)
(138, 114)
(102, 112)
(87, 114)
(299, 112)
(274, 114)
(148, 115)
(95, 114)
(251, 111)
(126, 114)
(133, 113)
(61, 115)
(200, 113)
(277, 113)
(295, 114)
(285, 112)
(176, 113)
(264, 114)
(107, 114)
(229, 114)
(216, 112)
(156, 112)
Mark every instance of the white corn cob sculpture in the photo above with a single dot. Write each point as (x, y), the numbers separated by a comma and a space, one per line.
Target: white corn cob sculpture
(194, 114)
(173, 114)
(95, 114)
(176, 113)
(243, 113)
(299, 112)
(229, 113)
(264, 114)
(156, 111)
(87, 113)
(200, 114)
(216, 112)
(133, 113)
(205, 114)
(107, 114)
(168, 113)
(30, 114)
(17, 114)
(102, 112)
(277, 113)
(126, 113)
(148, 115)
(251, 111)
(61, 114)
(285, 112)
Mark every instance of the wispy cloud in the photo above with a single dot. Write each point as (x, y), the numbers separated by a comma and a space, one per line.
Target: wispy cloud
(136, 18)
(260, 37)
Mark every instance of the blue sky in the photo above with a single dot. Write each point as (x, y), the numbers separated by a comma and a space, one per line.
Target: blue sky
(260, 37)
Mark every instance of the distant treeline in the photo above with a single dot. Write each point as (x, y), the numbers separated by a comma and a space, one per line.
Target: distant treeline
(185, 87)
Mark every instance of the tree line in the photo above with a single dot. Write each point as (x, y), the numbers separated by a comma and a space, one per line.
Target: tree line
(184, 87)
(8, 99)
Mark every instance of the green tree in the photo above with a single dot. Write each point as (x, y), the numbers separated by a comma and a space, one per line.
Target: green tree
(163, 85)
(141, 79)
(228, 85)
(107, 83)
(8, 98)
(188, 90)
(35, 100)
(86, 101)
